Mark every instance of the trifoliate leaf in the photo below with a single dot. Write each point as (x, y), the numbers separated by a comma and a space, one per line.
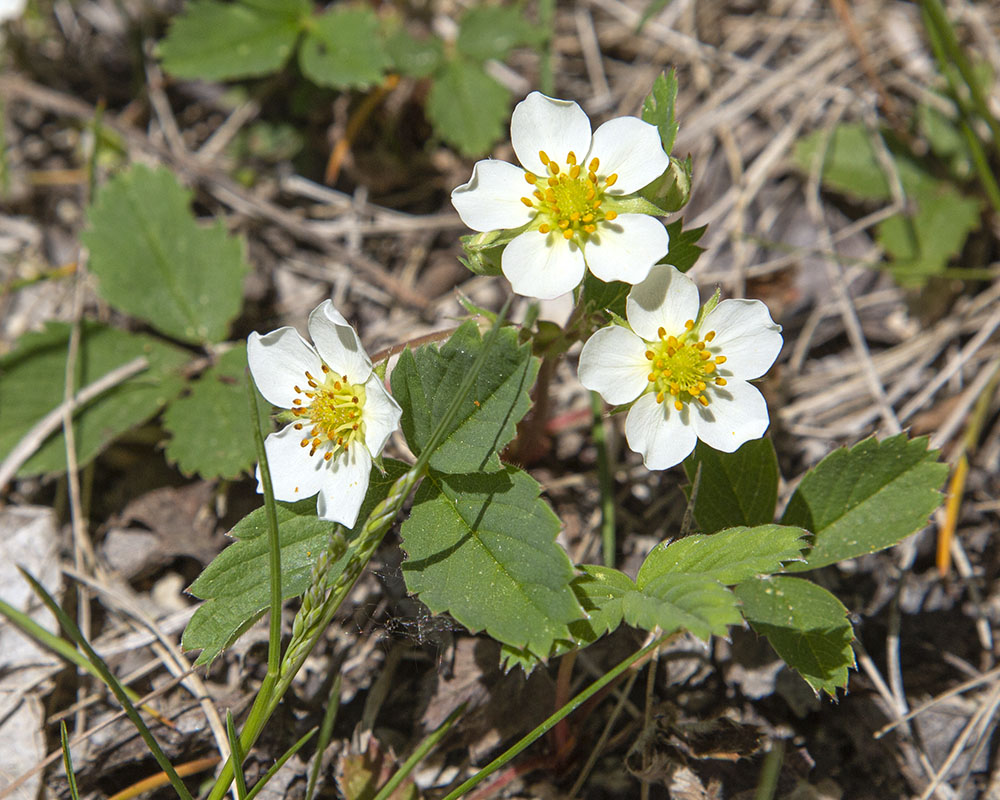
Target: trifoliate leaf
(487, 32)
(153, 261)
(866, 499)
(222, 41)
(467, 107)
(236, 585)
(424, 383)
(738, 488)
(658, 108)
(343, 49)
(482, 547)
(728, 557)
(211, 430)
(805, 624)
(32, 379)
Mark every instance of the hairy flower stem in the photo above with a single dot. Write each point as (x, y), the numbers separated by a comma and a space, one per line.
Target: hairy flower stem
(318, 609)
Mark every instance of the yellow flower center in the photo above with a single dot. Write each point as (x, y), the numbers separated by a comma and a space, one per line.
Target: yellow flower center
(332, 408)
(569, 201)
(682, 367)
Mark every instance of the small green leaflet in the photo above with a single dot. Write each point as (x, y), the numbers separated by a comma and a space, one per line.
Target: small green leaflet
(738, 488)
(211, 430)
(805, 624)
(418, 58)
(343, 48)
(153, 261)
(236, 584)
(221, 41)
(32, 378)
(491, 32)
(423, 384)
(658, 108)
(849, 163)
(866, 499)
(482, 547)
(467, 107)
(684, 250)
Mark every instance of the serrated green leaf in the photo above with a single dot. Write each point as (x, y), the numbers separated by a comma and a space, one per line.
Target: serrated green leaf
(418, 58)
(236, 584)
(343, 49)
(738, 488)
(424, 382)
(684, 250)
(487, 32)
(729, 556)
(600, 296)
(211, 430)
(682, 602)
(32, 377)
(805, 624)
(866, 499)
(658, 108)
(467, 107)
(849, 163)
(601, 592)
(222, 41)
(922, 244)
(482, 547)
(153, 261)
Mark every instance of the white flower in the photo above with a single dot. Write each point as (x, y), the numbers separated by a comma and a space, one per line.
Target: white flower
(688, 376)
(344, 415)
(572, 180)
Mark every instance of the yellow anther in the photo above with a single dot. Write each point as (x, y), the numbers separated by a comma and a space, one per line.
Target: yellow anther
(610, 215)
(530, 177)
(659, 397)
(553, 182)
(651, 377)
(661, 332)
(650, 355)
(594, 164)
(709, 336)
(575, 216)
(571, 158)
(328, 455)
(574, 171)
(610, 180)
(553, 167)
(689, 324)
(709, 367)
(588, 217)
(591, 228)
(592, 176)
(304, 443)
(704, 355)
(543, 228)
(703, 400)
(564, 224)
(678, 405)
(297, 389)
(721, 381)
(567, 234)
(720, 359)
(527, 202)
(543, 158)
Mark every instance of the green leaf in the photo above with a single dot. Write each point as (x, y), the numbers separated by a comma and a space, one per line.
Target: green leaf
(418, 58)
(866, 499)
(738, 488)
(684, 251)
(922, 244)
(601, 592)
(658, 108)
(487, 32)
(236, 584)
(600, 296)
(154, 262)
(211, 430)
(32, 377)
(728, 557)
(343, 49)
(467, 107)
(805, 624)
(682, 602)
(424, 382)
(849, 163)
(222, 41)
(482, 547)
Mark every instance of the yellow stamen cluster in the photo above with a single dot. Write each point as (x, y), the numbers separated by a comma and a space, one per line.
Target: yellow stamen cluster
(569, 200)
(332, 409)
(682, 366)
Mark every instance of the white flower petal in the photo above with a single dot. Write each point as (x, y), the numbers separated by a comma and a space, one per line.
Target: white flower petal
(736, 413)
(613, 362)
(661, 434)
(746, 335)
(666, 298)
(381, 415)
(491, 200)
(554, 126)
(278, 361)
(295, 474)
(542, 265)
(345, 484)
(624, 250)
(338, 343)
(630, 148)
